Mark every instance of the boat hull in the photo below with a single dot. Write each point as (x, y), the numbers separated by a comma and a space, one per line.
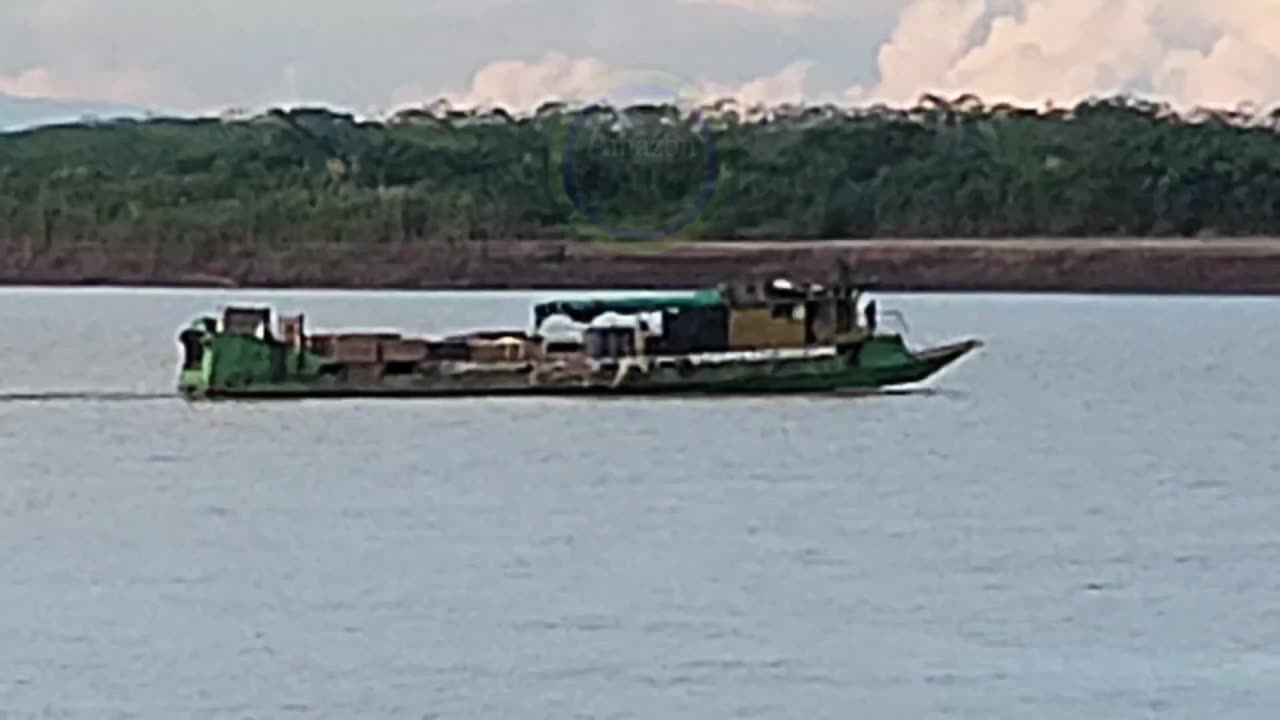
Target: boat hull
(879, 362)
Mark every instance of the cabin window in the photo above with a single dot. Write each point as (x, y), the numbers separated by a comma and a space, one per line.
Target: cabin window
(406, 367)
(787, 311)
(564, 347)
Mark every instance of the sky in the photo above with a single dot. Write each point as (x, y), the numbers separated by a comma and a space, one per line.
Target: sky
(377, 56)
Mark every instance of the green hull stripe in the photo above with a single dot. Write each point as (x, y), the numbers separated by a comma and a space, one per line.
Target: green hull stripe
(237, 366)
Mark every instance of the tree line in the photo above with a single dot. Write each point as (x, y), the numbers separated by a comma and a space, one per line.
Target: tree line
(943, 168)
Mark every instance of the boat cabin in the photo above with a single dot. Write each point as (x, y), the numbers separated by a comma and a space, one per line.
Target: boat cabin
(771, 312)
(753, 313)
(246, 321)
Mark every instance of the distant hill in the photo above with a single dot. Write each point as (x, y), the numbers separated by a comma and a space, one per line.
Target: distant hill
(1117, 167)
(21, 113)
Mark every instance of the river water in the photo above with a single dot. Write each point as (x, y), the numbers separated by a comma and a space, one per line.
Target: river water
(1082, 522)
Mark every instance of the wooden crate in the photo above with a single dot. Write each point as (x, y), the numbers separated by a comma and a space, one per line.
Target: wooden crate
(404, 350)
(498, 351)
(356, 348)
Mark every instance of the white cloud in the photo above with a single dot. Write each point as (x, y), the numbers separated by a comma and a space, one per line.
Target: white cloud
(132, 86)
(523, 85)
(1240, 65)
(931, 37)
(791, 84)
(1068, 50)
(204, 55)
(777, 8)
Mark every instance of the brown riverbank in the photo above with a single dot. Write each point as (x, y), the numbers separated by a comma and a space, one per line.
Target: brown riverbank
(1209, 266)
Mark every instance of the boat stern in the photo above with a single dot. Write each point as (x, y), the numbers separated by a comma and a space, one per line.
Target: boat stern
(192, 384)
(194, 358)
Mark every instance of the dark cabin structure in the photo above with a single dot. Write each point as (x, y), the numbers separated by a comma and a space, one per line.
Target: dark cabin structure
(691, 323)
(753, 313)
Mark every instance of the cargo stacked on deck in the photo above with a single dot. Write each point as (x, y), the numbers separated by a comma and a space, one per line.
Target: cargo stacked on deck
(756, 335)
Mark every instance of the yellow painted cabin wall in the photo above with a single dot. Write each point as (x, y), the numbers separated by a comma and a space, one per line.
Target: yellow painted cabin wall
(757, 328)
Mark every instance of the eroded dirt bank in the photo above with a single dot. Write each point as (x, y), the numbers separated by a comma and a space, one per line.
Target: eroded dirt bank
(1140, 266)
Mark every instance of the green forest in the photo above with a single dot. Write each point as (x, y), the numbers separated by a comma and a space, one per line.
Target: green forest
(944, 168)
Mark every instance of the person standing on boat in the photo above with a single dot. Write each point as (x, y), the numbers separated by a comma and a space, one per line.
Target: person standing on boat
(871, 316)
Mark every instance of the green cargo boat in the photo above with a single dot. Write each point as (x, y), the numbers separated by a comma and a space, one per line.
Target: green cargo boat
(753, 336)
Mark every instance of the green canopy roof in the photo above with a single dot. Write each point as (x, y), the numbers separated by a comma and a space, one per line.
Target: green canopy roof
(585, 310)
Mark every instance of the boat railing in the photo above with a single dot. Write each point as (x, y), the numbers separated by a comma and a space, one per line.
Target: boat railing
(899, 317)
